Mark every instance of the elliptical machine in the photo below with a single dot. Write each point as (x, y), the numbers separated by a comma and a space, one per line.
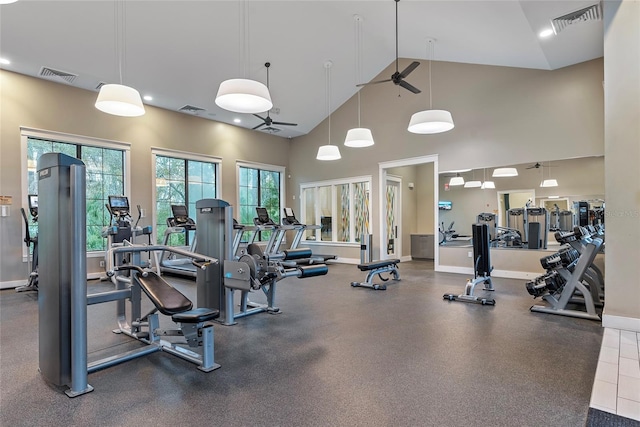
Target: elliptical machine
(32, 281)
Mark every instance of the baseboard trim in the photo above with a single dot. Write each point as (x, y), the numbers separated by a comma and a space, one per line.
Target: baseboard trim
(505, 274)
(619, 322)
(12, 284)
(454, 269)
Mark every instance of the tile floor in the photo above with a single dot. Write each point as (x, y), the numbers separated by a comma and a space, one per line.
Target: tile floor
(616, 388)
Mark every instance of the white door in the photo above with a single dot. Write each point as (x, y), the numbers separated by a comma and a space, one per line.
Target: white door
(393, 215)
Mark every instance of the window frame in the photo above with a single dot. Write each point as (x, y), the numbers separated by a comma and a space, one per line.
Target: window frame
(334, 183)
(265, 167)
(183, 155)
(88, 141)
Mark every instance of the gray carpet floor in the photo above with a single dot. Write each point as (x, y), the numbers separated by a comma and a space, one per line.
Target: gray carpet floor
(335, 356)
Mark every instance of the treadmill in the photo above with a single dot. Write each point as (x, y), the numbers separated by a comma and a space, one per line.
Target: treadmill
(291, 220)
(179, 223)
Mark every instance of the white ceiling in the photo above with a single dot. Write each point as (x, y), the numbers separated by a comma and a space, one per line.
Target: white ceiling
(180, 51)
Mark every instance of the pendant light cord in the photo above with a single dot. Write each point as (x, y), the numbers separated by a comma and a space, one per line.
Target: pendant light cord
(358, 36)
(430, 54)
(327, 78)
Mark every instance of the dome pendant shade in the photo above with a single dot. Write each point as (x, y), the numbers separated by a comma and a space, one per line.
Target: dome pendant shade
(359, 137)
(328, 152)
(120, 100)
(456, 180)
(549, 183)
(505, 172)
(472, 184)
(487, 184)
(243, 96)
(430, 121)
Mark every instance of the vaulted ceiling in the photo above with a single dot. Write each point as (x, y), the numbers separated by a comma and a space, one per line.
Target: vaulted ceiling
(178, 52)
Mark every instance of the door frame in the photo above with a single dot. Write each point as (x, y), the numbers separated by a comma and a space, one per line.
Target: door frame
(398, 238)
(382, 180)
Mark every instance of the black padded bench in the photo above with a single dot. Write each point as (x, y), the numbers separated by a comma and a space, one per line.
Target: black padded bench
(171, 302)
(378, 267)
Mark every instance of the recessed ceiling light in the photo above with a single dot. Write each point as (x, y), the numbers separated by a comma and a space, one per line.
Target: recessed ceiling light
(148, 98)
(545, 33)
(237, 121)
(554, 197)
(4, 61)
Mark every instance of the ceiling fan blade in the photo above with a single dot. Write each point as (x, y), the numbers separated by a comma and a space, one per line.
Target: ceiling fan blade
(373, 83)
(285, 124)
(260, 117)
(409, 87)
(409, 69)
(259, 126)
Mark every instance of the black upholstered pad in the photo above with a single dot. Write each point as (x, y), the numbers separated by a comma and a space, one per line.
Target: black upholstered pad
(165, 297)
(197, 315)
(312, 270)
(377, 264)
(297, 253)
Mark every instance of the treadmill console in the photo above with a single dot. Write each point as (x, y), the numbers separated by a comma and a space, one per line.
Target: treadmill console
(290, 217)
(181, 218)
(119, 206)
(263, 217)
(33, 206)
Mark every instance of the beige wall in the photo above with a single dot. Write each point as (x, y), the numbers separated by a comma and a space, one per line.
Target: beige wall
(37, 103)
(622, 160)
(503, 116)
(425, 190)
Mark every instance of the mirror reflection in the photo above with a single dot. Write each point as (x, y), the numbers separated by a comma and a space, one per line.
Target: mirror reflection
(522, 211)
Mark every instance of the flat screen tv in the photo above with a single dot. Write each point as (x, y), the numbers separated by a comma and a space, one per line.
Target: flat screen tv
(444, 205)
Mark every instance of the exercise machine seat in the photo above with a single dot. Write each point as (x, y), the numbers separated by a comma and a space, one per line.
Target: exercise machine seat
(377, 264)
(165, 297)
(197, 315)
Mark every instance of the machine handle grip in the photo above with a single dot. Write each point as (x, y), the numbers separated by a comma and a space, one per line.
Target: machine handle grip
(201, 263)
(139, 269)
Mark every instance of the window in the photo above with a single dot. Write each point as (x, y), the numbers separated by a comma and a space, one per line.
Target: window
(105, 174)
(260, 186)
(182, 179)
(341, 208)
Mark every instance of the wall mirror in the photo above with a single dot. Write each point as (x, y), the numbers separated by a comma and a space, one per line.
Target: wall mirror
(579, 179)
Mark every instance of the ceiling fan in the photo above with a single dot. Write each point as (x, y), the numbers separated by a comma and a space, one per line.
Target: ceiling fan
(398, 77)
(267, 121)
(538, 165)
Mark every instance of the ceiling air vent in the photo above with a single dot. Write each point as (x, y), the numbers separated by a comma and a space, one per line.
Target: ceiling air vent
(99, 86)
(58, 75)
(191, 109)
(591, 13)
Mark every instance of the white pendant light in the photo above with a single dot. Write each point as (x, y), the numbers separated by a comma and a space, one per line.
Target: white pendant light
(486, 184)
(430, 121)
(328, 152)
(244, 95)
(505, 172)
(118, 99)
(456, 180)
(472, 184)
(548, 182)
(358, 137)
(7, 1)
